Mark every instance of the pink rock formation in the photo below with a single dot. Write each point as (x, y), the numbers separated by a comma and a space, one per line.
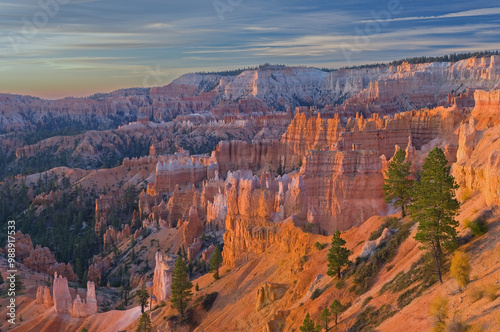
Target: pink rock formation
(112, 236)
(84, 308)
(207, 253)
(43, 296)
(24, 245)
(62, 297)
(194, 249)
(162, 278)
(98, 267)
(193, 228)
(43, 260)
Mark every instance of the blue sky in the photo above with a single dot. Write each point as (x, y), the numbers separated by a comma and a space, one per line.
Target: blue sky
(55, 48)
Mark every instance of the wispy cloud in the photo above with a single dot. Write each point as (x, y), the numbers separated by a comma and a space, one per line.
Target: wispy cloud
(467, 13)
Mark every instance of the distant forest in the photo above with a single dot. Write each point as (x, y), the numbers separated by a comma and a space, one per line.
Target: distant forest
(416, 60)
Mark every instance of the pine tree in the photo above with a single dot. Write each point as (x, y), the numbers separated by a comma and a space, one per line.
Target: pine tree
(308, 325)
(398, 186)
(144, 324)
(325, 317)
(435, 207)
(181, 286)
(338, 256)
(460, 268)
(215, 262)
(336, 308)
(143, 296)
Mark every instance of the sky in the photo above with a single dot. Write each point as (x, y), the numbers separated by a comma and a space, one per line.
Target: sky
(58, 48)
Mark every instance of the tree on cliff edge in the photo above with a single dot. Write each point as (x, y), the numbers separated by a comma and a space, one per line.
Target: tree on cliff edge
(435, 207)
(143, 296)
(215, 262)
(338, 256)
(181, 286)
(398, 186)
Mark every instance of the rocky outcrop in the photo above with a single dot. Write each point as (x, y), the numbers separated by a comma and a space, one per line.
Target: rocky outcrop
(487, 106)
(370, 246)
(268, 293)
(98, 267)
(466, 140)
(62, 297)
(343, 188)
(24, 245)
(43, 260)
(43, 297)
(193, 228)
(63, 303)
(162, 278)
(375, 133)
(207, 253)
(254, 215)
(112, 236)
(83, 308)
(172, 171)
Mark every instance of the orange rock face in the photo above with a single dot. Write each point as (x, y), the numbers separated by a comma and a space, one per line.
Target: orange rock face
(43, 296)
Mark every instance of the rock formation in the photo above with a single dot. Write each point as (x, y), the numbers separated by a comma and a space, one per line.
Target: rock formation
(84, 308)
(268, 293)
(193, 227)
(43, 260)
(62, 297)
(43, 296)
(162, 278)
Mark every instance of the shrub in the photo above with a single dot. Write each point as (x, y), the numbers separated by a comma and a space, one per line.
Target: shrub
(366, 301)
(439, 311)
(477, 227)
(460, 268)
(476, 294)
(371, 317)
(340, 284)
(316, 293)
(209, 300)
(466, 194)
(490, 291)
(320, 246)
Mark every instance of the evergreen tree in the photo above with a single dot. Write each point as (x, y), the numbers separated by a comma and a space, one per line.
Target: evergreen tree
(336, 308)
(338, 256)
(181, 286)
(215, 262)
(144, 324)
(308, 325)
(398, 186)
(143, 296)
(325, 317)
(435, 207)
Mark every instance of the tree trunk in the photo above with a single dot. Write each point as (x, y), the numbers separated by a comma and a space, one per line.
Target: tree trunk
(336, 314)
(338, 272)
(438, 264)
(403, 214)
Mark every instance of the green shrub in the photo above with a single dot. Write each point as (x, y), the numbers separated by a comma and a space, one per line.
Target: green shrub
(340, 284)
(477, 227)
(209, 300)
(371, 318)
(320, 246)
(316, 293)
(366, 301)
(390, 222)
